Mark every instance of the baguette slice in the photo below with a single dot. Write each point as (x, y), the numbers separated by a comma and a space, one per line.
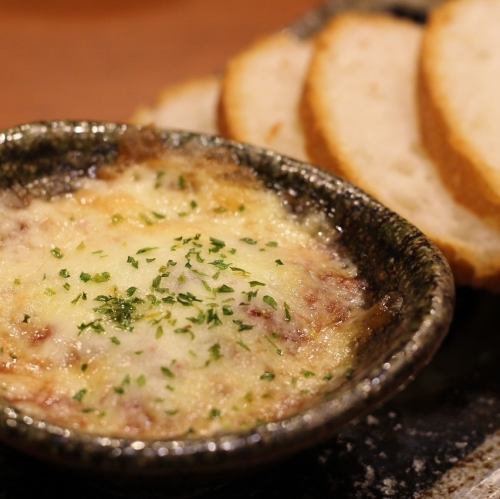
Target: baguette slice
(459, 101)
(359, 103)
(189, 106)
(261, 89)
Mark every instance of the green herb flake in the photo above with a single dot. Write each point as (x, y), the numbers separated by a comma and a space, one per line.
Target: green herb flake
(267, 376)
(84, 367)
(85, 277)
(242, 344)
(214, 413)
(141, 380)
(64, 273)
(242, 326)
(328, 377)
(227, 310)
(159, 332)
(67, 286)
(248, 240)
(214, 351)
(225, 289)
(288, 317)
(278, 262)
(101, 277)
(133, 262)
(181, 182)
(146, 250)
(78, 396)
(256, 283)
(308, 374)
(131, 291)
(220, 264)
(26, 318)
(117, 219)
(115, 340)
(56, 252)
(220, 209)
(158, 215)
(272, 244)
(241, 271)
(50, 292)
(216, 245)
(273, 344)
(81, 246)
(269, 300)
(167, 372)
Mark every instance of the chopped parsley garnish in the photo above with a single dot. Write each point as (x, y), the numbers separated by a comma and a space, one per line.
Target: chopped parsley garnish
(242, 326)
(131, 291)
(248, 240)
(64, 273)
(272, 244)
(214, 413)
(267, 376)
(117, 218)
(278, 262)
(159, 332)
(115, 340)
(242, 344)
(78, 396)
(95, 326)
(187, 299)
(269, 300)
(158, 215)
(213, 318)
(220, 264)
(101, 277)
(85, 277)
(328, 377)
(141, 380)
(214, 351)
(273, 344)
(133, 262)
(167, 372)
(240, 271)
(56, 252)
(287, 312)
(181, 182)
(256, 283)
(121, 311)
(225, 289)
(216, 245)
(146, 250)
(227, 310)
(308, 374)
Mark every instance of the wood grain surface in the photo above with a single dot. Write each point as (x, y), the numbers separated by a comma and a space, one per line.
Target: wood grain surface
(101, 59)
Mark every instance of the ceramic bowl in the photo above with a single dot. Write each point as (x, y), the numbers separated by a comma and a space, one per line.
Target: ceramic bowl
(47, 158)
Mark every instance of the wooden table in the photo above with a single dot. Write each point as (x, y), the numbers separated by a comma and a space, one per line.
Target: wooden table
(101, 59)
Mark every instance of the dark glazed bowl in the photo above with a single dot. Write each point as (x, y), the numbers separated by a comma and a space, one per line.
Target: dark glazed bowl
(392, 255)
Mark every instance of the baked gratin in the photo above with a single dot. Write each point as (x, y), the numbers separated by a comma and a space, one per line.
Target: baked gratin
(174, 296)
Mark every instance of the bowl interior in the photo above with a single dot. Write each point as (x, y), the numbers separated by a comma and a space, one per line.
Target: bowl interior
(46, 159)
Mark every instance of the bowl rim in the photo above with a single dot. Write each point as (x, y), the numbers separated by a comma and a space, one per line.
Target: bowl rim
(266, 441)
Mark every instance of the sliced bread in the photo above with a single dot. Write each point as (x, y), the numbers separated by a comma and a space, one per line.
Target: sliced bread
(189, 106)
(459, 100)
(261, 89)
(360, 112)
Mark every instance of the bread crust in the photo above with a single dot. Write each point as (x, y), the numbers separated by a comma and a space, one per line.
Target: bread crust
(462, 168)
(325, 150)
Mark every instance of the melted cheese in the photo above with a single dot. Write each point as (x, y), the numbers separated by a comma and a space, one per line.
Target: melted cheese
(177, 297)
